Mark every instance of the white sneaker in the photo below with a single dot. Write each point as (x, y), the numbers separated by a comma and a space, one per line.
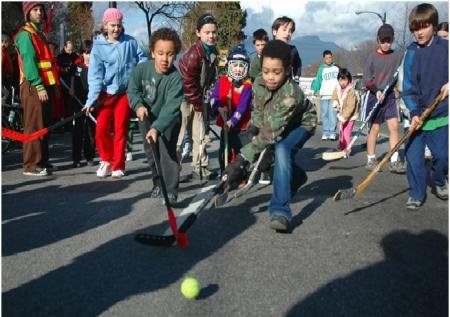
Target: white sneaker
(104, 169)
(118, 174)
(129, 156)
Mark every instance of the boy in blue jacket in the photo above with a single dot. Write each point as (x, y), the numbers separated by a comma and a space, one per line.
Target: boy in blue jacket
(425, 76)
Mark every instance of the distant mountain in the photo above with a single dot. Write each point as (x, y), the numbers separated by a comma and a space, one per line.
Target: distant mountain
(309, 46)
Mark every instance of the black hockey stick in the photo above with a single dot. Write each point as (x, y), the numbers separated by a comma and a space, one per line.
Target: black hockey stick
(190, 218)
(225, 198)
(180, 237)
(78, 100)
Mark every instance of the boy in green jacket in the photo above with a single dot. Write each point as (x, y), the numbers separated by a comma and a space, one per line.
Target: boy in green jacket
(155, 93)
(284, 118)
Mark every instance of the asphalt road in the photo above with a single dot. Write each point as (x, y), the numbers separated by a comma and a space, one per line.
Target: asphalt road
(68, 249)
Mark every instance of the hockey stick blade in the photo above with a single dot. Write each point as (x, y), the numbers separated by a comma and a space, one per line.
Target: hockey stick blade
(330, 156)
(169, 240)
(166, 241)
(344, 194)
(155, 240)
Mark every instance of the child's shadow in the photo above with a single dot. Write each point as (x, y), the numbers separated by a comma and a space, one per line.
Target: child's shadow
(319, 191)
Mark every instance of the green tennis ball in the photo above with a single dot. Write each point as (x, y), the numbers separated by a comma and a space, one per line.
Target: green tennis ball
(190, 288)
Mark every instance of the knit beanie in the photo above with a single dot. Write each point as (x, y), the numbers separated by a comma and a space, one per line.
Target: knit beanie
(28, 5)
(112, 14)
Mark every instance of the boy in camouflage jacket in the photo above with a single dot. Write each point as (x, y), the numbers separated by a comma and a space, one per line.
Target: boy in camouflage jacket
(284, 119)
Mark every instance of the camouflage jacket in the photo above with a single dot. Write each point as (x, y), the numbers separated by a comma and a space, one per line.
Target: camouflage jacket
(276, 113)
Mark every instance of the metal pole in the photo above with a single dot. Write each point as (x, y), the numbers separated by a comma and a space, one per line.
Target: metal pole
(112, 4)
(382, 18)
(62, 37)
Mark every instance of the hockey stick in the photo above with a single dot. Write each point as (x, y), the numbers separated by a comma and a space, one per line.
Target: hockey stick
(180, 237)
(214, 132)
(224, 198)
(225, 138)
(188, 219)
(78, 100)
(350, 193)
(329, 156)
(25, 137)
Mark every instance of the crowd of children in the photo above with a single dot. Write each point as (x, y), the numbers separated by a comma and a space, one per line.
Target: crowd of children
(113, 76)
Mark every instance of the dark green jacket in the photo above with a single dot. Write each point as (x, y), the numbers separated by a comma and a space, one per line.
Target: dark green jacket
(161, 94)
(276, 113)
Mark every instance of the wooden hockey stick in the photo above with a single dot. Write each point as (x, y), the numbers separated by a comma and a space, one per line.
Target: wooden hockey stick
(350, 193)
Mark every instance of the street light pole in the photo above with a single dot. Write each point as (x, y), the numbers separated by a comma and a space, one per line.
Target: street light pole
(382, 17)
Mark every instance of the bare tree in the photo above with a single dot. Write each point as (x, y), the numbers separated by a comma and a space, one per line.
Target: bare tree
(80, 22)
(172, 11)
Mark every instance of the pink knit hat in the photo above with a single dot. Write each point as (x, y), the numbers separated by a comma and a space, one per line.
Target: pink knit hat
(112, 14)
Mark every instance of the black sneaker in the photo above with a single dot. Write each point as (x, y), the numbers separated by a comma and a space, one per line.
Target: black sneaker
(156, 192)
(76, 164)
(279, 223)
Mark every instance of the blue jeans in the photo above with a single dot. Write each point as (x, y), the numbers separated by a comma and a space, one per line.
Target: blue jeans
(329, 118)
(437, 141)
(284, 171)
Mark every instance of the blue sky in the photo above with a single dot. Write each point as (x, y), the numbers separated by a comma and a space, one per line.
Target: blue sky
(333, 21)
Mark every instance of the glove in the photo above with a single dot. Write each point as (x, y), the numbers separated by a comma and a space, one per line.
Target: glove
(252, 130)
(236, 172)
(268, 159)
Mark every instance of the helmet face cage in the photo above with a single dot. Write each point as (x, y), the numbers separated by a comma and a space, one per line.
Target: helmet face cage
(237, 63)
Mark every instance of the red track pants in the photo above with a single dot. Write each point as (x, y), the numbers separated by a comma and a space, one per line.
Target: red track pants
(113, 119)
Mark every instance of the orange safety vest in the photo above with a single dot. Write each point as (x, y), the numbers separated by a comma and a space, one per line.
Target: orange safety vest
(46, 63)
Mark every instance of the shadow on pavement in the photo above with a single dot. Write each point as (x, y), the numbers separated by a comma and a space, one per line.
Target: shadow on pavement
(66, 214)
(121, 268)
(319, 191)
(412, 280)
